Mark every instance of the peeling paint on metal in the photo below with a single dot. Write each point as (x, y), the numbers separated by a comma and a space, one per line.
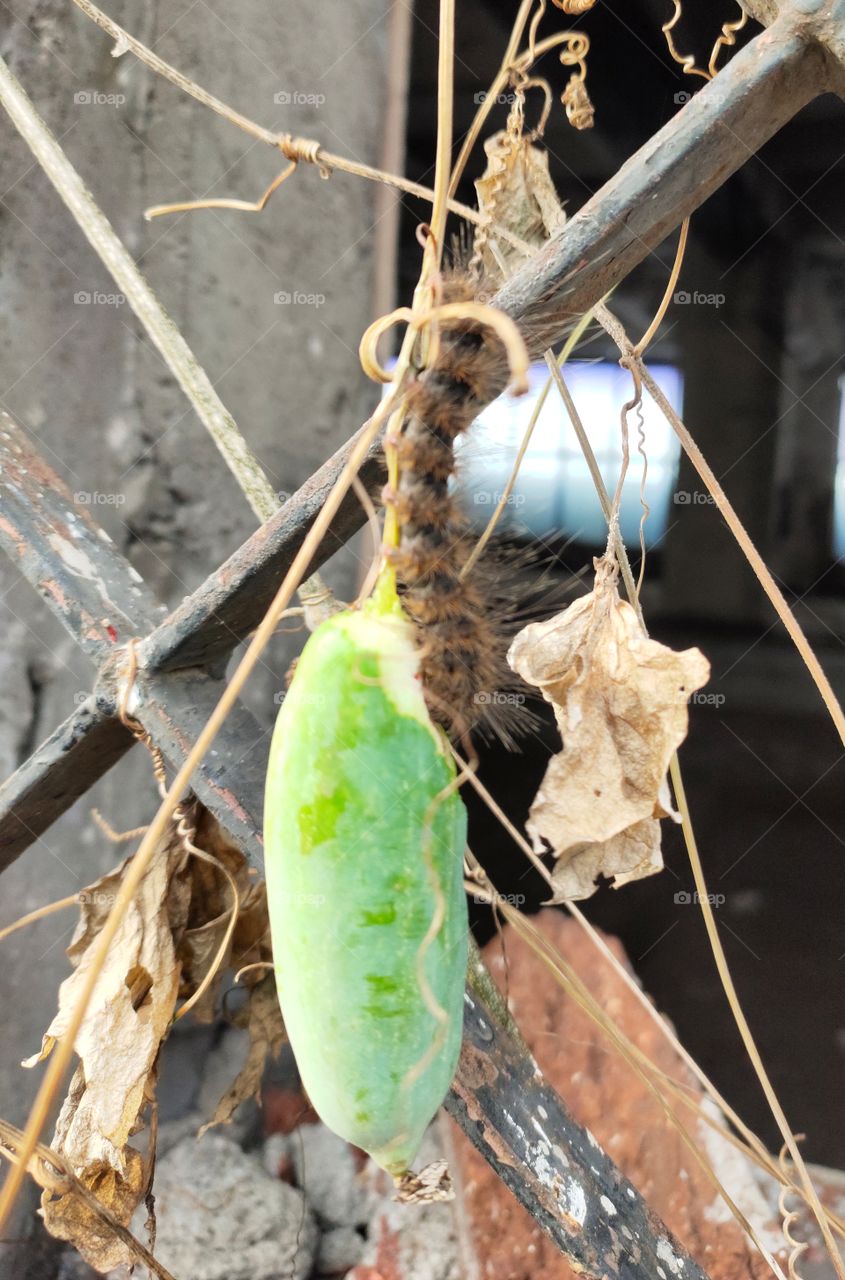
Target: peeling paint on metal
(667, 1254)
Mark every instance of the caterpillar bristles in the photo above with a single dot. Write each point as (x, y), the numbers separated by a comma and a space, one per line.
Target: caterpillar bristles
(463, 627)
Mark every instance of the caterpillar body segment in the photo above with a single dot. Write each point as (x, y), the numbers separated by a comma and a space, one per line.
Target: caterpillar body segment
(461, 639)
(365, 834)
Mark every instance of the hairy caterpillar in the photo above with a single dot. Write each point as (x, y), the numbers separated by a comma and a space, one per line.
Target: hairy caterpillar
(462, 645)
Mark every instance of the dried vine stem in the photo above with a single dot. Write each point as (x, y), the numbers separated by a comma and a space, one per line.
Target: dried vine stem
(638, 1062)
(64, 1050)
(293, 148)
(632, 360)
(615, 330)
(163, 333)
(725, 39)
(52, 1173)
(808, 1189)
(568, 347)
(755, 1148)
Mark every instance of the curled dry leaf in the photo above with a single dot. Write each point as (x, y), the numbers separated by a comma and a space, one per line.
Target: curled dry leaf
(168, 940)
(210, 914)
(263, 1018)
(250, 946)
(118, 1044)
(516, 191)
(620, 700)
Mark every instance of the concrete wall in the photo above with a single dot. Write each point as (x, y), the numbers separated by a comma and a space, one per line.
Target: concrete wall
(109, 418)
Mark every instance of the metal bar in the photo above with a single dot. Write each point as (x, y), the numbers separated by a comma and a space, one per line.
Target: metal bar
(70, 761)
(172, 709)
(763, 11)
(207, 626)
(498, 1087)
(230, 781)
(760, 89)
(757, 91)
(553, 1166)
(498, 1097)
(72, 563)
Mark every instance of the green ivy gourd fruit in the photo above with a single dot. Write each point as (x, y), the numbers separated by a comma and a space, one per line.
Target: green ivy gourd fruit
(365, 834)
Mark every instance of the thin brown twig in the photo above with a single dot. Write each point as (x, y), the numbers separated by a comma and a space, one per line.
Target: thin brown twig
(290, 146)
(615, 330)
(632, 360)
(50, 1171)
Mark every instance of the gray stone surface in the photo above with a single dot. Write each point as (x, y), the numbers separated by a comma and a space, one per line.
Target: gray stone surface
(326, 1167)
(338, 1251)
(220, 1069)
(220, 1217)
(419, 1240)
(81, 377)
(276, 1150)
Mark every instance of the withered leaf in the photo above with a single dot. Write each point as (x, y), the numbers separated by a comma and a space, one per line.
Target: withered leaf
(68, 1218)
(266, 1037)
(620, 701)
(165, 946)
(516, 192)
(118, 1045)
(210, 914)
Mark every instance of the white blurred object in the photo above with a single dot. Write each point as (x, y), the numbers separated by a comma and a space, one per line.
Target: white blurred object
(839, 484)
(554, 493)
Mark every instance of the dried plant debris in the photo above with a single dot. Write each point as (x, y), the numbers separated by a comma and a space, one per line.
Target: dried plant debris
(263, 1019)
(91, 1217)
(620, 700)
(515, 191)
(118, 1045)
(210, 914)
(163, 952)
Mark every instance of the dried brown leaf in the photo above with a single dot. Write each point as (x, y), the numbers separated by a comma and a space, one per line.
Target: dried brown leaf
(68, 1218)
(516, 191)
(50, 1171)
(266, 1037)
(620, 700)
(210, 914)
(118, 1044)
(165, 947)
